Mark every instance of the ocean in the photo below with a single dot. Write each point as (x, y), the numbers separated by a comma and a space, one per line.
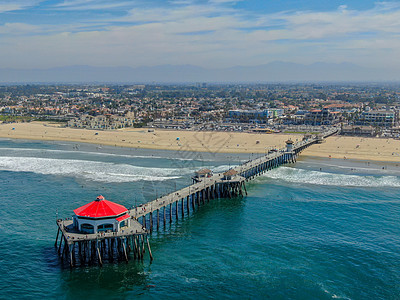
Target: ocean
(317, 229)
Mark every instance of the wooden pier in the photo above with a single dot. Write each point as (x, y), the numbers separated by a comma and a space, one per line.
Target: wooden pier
(180, 203)
(78, 248)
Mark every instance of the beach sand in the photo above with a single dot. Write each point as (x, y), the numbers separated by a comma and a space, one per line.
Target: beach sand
(223, 142)
(218, 142)
(361, 148)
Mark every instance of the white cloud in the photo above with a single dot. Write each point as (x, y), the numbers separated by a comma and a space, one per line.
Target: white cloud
(19, 29)
(224, 1)
(74, 3)
(90, 5)
(319, 25)
(210, 35)
(385, 6)
(7, 5)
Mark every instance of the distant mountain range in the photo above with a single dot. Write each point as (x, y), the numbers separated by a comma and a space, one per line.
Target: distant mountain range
(272, 72)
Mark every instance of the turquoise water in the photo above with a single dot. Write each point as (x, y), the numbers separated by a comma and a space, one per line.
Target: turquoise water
(314, 230)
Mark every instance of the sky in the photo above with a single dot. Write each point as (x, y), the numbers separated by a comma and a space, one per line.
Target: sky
(206, 33)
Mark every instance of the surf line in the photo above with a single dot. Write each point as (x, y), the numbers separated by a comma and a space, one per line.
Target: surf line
(91, 238)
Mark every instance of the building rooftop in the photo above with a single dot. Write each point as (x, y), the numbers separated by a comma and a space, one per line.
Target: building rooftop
(230, 172)
(100, 208)
(203, 171)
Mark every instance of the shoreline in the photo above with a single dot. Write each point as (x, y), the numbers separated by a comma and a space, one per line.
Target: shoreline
(337, 147)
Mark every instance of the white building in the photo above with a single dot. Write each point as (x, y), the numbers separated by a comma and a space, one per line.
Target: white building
(383, 118)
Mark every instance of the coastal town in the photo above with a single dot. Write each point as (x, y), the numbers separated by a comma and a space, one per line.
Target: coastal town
(200, 149)
(358, 110)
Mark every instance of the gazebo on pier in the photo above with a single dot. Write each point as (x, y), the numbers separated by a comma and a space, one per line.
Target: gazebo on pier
(203, 173)
(101, 215)
(230, 174)
(101, 230)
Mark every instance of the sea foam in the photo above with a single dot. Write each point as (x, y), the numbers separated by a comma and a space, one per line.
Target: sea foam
(35, 151)
(324, 178)
(90, 170)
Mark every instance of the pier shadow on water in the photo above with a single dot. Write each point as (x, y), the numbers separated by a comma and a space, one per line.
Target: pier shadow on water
(223, 211)
(95, 282)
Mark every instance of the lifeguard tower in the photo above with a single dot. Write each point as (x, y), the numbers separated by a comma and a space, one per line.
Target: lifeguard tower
(289, 145)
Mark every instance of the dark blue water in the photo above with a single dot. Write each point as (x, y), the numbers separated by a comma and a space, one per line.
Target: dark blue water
(305, 231)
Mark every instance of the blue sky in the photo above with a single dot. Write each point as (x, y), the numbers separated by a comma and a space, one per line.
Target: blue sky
(208, 33)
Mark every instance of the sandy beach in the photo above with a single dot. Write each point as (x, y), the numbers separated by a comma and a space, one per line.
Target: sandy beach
(361, 148)
(221, 142)
(225, 142)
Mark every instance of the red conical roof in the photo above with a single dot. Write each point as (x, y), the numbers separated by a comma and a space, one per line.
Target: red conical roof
(100, 208)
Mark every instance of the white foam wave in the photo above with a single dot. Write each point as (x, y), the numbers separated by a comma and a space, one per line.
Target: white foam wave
(35, 150)
(222, 168)
(322, 178)
(371, 169)
(90, 170)
(192, 156)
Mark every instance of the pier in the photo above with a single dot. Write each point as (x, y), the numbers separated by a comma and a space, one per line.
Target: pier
(231, 183)
(78, 248)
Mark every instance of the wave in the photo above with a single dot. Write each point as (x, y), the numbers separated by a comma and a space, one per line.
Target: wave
(90, 170)
(186, 155)
(323, 178)
(36, 150)
(374, 167)
(222, 168)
